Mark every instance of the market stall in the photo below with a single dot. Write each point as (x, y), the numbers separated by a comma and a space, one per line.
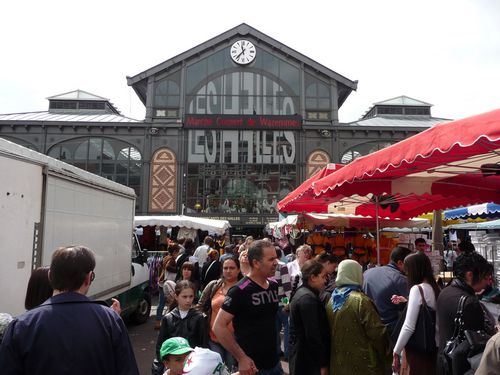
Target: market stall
(210, 225)
(449, 165)
(155, 230)
(348, 236)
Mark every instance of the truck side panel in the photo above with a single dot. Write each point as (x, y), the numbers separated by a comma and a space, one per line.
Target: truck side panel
(81, 214)
(20, 208)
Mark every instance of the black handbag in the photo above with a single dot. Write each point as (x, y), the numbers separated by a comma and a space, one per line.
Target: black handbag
(477, 341)
(463, 345)
(423, 338)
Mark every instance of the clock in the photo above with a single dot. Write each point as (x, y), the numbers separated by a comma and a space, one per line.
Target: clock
(243, 52)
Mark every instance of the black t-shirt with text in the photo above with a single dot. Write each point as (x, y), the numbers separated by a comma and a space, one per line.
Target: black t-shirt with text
(254, 309)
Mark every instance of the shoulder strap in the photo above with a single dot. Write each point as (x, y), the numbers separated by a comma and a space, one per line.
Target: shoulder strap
(208, 269)
(459, 323)
(422, 295)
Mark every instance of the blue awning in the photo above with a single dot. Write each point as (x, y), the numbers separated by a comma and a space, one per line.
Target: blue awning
(495, 224)
(480, 210)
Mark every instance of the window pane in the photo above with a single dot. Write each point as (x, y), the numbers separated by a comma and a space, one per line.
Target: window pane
(135, 154)
(323, 90)
(173, 101)
(311, 90)
(95, 148)
(195, 74)
(311, 103)
(107, 151)
(173, 88)
(122, 167)
(269, 63)
(324, 103)
(82, 151)
(108, 168)
(215, 62)
(289, 75)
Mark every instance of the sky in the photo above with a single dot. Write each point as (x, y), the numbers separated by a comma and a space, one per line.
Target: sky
(443, 52)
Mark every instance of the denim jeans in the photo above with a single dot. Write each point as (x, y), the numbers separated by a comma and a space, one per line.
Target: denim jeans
(282, 321)
(227, 358)
(276, 370)
(161, 304)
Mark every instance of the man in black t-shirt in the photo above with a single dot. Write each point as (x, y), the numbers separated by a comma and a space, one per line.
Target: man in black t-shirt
(251, 306)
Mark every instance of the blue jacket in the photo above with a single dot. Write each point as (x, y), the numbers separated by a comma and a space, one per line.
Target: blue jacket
(380, 284)
(67, 334)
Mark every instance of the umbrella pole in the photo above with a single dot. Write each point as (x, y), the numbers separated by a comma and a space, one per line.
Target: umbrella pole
(377, 230)
(437, 234)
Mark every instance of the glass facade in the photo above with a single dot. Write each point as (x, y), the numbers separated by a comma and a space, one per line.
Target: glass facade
(239, 171)
(214, 85)
(106, 157)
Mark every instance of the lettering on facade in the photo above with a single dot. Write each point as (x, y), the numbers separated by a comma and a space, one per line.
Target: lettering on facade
(242, 122)
(262, 95)
(241, 146)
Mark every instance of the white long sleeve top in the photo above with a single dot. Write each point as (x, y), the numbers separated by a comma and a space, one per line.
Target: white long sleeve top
(414, 302)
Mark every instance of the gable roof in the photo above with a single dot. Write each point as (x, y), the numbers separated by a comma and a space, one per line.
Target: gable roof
(403, 100)
(400, 122)
(137, 81)
(77, 95)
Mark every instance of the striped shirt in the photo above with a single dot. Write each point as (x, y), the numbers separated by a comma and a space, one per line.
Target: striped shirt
(282, 277)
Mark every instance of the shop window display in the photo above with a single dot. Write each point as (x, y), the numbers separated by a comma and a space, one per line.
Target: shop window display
(236, 188)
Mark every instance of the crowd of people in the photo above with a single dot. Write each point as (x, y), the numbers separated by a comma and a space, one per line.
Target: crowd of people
(329, 317)
(227, 313)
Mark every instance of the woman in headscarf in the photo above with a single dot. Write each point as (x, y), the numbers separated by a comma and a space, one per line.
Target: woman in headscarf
(359, 341)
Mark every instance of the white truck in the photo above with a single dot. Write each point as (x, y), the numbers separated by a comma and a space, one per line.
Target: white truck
(45, 204)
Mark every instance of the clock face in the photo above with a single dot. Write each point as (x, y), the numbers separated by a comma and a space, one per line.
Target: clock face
(243, 52)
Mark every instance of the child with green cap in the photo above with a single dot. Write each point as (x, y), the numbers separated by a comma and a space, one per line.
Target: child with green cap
(173, 354)
(181, 359)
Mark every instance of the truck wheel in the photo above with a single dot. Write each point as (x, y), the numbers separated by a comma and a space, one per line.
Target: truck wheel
(142, 312)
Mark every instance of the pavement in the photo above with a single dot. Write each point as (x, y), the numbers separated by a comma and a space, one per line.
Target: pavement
(143, 338)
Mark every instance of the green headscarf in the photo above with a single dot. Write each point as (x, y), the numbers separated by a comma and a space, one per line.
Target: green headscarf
(349, 272)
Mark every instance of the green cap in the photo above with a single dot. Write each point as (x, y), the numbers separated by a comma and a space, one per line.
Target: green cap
(175, 346)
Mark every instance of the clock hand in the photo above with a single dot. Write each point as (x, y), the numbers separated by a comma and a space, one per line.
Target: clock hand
(241, 53)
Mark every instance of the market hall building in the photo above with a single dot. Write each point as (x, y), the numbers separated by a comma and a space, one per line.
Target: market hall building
(231, 127)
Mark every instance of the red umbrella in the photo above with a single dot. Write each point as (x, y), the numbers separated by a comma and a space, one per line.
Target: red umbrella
(449, 165)
(302, 199)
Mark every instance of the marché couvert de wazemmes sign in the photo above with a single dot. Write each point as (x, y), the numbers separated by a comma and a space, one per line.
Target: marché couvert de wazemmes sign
(258, 146)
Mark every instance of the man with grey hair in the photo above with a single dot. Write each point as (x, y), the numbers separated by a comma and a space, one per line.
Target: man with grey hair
(251, 306)
(68, 333)
(303, 254)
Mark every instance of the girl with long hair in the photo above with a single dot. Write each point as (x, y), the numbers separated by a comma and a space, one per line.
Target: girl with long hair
(421, 281)
(183, 320)
(188, 273)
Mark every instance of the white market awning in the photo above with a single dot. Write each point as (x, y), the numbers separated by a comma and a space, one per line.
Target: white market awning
(210, 225)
